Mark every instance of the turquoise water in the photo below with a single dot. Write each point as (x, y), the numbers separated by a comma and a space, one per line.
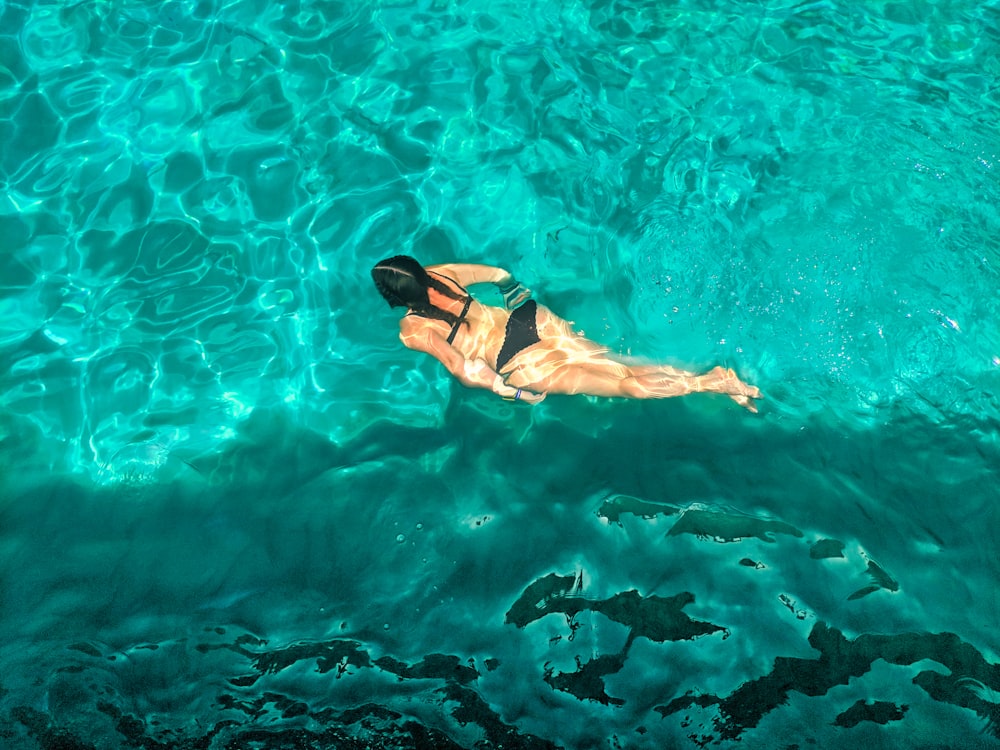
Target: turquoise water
(235, 512)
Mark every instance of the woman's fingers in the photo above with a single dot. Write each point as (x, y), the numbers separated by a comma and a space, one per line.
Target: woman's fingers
(516, 296)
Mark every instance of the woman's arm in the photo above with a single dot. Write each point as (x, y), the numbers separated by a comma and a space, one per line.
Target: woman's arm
(468, 274)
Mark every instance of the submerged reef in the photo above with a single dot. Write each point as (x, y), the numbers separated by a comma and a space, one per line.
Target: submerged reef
(840, 660)
(878, 712)
(657, 618)
(269, 718)
(339, 693)
(718, 525)
(654, 617)
(824, 548)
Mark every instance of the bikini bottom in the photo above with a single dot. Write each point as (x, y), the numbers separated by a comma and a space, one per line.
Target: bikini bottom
(522, 332)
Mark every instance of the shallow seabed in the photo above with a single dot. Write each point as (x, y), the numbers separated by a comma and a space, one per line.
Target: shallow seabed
(236, 513)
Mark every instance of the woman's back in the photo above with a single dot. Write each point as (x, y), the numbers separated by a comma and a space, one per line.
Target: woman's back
(479, 336)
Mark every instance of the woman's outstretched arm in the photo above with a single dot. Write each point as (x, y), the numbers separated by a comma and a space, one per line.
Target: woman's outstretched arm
(468, 274)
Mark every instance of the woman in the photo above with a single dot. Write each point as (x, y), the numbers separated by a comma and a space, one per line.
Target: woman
(522, 351)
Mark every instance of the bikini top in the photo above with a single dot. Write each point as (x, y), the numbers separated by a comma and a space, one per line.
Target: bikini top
(465, 308)
(461, 319)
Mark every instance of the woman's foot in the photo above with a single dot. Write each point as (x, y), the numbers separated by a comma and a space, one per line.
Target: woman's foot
(722, 380)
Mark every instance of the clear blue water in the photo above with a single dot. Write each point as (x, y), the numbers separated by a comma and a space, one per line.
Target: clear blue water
(235, 512)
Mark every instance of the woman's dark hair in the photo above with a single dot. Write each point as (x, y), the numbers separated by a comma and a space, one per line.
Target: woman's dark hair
(403, 282)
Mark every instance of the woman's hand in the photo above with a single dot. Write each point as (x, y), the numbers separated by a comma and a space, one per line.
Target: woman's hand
(510, 393)
(530, 397)
(514, 293)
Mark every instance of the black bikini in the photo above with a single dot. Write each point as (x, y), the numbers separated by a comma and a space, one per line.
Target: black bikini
(461, 319)
(522, 332)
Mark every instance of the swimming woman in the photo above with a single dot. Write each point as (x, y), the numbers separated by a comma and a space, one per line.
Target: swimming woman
(522, 351)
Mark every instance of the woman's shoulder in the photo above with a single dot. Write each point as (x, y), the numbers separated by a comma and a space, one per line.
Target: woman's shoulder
(413, 322)
(412, 328)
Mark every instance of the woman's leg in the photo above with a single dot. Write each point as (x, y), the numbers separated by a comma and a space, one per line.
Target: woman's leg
(619, 381)
(565, 362)
(558, 334)
(613, 379)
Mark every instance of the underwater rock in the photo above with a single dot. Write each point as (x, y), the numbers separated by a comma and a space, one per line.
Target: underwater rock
(300, 739)
(881, 577)
(329, 655)
(85, 648)
(432, 666)
(863, 592)
(47, 736)
(354, 715)
(428, 738)
(389, 736)
(472, 709)
(880, 580)
(793, 607)
(587, 682)
(613, 508)
(839, 662)
(655, 617)
(729, 527)
(825, 548)
(129, 727)
(263, 718)
(687, 700)
(533, 604)
(288, 708)
(879, 712)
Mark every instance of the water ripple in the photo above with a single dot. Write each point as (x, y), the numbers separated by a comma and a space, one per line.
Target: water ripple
(725, 173)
